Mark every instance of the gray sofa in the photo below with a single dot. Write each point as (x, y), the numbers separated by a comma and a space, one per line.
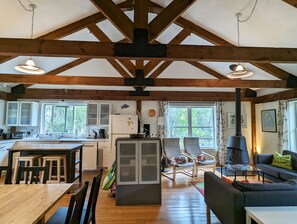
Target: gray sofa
(228, 203)
(274, 173)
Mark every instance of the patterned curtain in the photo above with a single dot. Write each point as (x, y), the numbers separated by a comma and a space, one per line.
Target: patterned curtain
(282, 125)
(163, 119)
(221, 141)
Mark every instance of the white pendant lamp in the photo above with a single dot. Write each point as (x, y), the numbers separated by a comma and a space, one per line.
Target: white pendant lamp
(29, 67)
(238, 70)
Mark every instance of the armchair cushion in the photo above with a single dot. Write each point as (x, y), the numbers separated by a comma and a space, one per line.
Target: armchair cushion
(294, 158)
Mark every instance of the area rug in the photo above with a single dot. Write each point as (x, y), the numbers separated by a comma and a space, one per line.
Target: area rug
(199, 186)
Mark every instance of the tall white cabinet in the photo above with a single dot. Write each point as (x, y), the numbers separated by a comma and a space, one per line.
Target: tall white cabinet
(22, 113)
(138, 171)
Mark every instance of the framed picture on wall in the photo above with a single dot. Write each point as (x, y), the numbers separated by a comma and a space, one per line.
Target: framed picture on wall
(232, 120)
(268, 119)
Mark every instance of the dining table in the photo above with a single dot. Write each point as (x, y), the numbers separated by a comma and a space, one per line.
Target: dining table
(50, 149)
(28, 203)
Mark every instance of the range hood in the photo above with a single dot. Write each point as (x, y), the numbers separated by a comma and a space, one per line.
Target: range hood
(237, 154)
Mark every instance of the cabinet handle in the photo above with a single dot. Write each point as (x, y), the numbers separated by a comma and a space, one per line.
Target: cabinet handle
(88, 146)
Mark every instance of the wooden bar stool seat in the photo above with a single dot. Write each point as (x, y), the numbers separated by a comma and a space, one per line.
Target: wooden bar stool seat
(57, 159)
(28, 160)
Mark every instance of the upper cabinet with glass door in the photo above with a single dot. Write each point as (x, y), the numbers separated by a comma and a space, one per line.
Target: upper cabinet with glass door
(22, 113)
(92, 114)
(105, 111)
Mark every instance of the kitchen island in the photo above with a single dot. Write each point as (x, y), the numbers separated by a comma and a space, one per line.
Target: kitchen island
(50, 149)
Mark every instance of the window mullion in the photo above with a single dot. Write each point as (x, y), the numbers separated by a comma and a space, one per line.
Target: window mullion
(189, 121)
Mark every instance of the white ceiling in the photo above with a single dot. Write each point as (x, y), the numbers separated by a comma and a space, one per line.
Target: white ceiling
(273, 24)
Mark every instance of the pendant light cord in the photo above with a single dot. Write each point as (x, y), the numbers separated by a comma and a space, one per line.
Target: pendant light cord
(244, 20)
(31, 8)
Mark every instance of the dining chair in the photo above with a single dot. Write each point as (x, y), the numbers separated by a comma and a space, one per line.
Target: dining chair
(72, 214)
(88, 215)
(4, 168)
(172, 151)
(37, 174)
(201, 158)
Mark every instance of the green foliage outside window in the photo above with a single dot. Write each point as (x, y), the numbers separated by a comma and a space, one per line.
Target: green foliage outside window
(192, 121)
(65, 119)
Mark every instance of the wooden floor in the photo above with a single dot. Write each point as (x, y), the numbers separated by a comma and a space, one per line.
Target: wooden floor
(181, 204)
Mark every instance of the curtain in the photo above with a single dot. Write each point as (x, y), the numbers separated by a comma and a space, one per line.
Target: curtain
(163, 119)
(220, 135)
(282, 125)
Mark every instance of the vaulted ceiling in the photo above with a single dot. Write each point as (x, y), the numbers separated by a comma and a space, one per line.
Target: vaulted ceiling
(172, 49)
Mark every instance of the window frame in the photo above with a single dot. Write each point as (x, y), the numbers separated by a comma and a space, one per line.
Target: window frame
(64, 104)
(189, 106)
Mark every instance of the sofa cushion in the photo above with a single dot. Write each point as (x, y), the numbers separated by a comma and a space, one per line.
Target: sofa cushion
(271, 170)
(287, 175)
(290, 185)
(293, 157)
(283, 161)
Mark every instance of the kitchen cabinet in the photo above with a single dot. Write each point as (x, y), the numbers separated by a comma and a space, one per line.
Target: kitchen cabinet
(138, 171)
(4, 146)
(21, 113)
(12, 113)
(105, 111)
(106, 151)
(89, 156)
(92, 114)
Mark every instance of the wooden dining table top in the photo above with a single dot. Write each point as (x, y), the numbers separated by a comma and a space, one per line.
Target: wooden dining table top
(23, 146)
(28, 203)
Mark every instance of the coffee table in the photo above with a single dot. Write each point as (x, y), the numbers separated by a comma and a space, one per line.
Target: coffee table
(271, 215)
(248, 168)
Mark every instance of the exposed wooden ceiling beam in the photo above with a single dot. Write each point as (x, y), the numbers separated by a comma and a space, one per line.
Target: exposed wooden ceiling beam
(74, 27)
(122, 95)
(285, 95)
(214, 39)
(88, 49)
(141, 14)
(291, 2)
(180, 37)
(107, 81)
(167, 16)
(116, 16)
(207, 69)
(101, 36)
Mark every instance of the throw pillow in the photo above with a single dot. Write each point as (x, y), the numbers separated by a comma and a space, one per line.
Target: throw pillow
(180, 160)
(290, 185)
(283, 161)
(201, 157)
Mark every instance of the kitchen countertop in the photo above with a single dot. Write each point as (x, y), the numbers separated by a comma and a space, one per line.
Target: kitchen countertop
(56, 140)
(66, 139)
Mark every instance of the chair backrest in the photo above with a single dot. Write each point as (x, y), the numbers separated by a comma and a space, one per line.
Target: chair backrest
(171, 147)
(35, 173)
(192, 146)
(4, 168)
(91, 208)
(76, 205)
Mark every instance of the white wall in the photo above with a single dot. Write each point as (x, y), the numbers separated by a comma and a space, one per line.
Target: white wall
(246, 132)
(146, 106)
(266, 141)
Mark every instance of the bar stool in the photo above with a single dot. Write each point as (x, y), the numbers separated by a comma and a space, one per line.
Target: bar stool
(55, 158)
(29, 160)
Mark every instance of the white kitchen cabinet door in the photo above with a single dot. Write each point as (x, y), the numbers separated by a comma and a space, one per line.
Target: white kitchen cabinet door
(12, 113)
(28, 115)
(92, 114)
(105, 111)
(106, 151)
(89, 160)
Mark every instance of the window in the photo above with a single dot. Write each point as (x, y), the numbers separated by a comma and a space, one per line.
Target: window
(292, 125)
(64, 118)
(192, 120)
